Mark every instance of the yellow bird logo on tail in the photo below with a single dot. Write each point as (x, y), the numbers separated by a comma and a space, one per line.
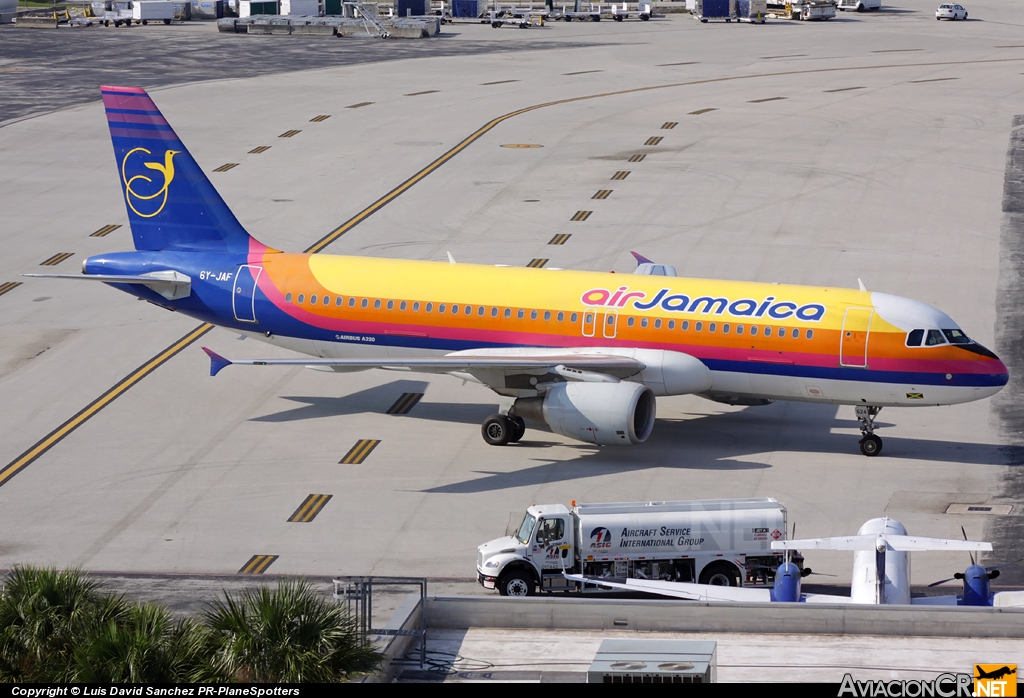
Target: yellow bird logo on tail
(166, 169)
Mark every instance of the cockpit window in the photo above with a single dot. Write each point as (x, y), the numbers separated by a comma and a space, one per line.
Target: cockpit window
(956, 337)
(914, 338)
(934, 338)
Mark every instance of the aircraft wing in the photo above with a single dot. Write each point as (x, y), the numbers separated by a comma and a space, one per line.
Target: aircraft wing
(909, 543)
(680, 590)
(570, 366)
(702, 592)
(834, 543)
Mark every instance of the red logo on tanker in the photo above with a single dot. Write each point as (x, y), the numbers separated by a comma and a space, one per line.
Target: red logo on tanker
(600, 537)
(776, 534)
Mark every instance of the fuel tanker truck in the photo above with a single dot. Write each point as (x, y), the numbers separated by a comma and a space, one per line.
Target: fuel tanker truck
(713, 541)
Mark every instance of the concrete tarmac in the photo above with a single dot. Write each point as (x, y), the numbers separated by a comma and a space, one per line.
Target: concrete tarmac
(872, 146)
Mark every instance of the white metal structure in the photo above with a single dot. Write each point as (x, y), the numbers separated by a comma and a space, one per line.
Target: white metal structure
(721, 542)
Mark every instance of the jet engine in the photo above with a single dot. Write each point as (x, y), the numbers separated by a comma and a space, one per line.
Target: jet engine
(599, 413)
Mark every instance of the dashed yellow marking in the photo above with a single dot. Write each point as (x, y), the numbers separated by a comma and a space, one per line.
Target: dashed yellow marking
(703, 111)
(766, 99)
(620, 175)
(104, 231)
(583, 72)
(258, 564)
(405, 403)
(654, 140)
(498, 82)
(538, 262)
(424, 92)
(581, 215)
(933, 80)
(670, 124)
(521, 145)
(898, 50)
(560, 239)
(602, 194)
(359, 104)
(56, 259)
(358, 453)
(8, 286)
(226, 166)
(322, 117)
(638, 157)
(289, 134)
(259, 149)
(844, 89)
(310, 507)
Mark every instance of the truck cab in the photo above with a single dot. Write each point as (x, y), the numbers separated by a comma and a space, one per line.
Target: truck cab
(531, 558)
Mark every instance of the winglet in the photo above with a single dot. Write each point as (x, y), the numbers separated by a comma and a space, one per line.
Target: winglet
(217, 362)
(451, 260)
(640, 259)
(861, 285)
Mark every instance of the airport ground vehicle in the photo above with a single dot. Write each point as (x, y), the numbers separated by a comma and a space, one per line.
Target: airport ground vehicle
(951, 12)
(146, 11)
(860, 5)
(723, 542)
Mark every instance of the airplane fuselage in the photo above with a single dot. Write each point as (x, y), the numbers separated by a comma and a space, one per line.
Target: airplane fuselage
(759, 341)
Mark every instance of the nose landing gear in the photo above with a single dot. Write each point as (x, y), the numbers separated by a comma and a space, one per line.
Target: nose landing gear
(870, 445)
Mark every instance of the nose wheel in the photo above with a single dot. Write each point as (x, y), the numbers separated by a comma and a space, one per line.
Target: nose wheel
(870, 444)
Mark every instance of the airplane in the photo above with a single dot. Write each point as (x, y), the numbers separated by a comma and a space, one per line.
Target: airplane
(881, 573)
(585, 352)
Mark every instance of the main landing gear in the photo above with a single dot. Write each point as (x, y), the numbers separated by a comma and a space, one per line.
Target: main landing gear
(500, 430)
(870, 445)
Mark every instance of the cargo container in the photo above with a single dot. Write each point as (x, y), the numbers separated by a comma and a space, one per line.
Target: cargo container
(146, 11)
(248, 8)
(717, 541)
(300, 8)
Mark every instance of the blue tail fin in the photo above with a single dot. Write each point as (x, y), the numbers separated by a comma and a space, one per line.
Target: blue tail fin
(171, 204)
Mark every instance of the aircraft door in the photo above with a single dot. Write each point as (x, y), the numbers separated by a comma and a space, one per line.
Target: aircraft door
(589, 322)
(243, 300)
(853, 343)
(611, 323)
(550, 542)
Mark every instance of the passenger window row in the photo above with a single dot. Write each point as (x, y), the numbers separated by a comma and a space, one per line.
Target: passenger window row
(481, 311)
(726, 328)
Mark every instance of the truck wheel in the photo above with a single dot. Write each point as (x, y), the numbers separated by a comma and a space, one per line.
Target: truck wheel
(720, 574)
(645, 17)
(516, 584)
(167, 21)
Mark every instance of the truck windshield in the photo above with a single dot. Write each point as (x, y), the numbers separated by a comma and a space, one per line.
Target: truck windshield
(526, 529)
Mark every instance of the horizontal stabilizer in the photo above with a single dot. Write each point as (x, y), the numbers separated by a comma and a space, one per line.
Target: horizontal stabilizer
(217, 362)
(871, 541)
(172, 285)
(442, 364)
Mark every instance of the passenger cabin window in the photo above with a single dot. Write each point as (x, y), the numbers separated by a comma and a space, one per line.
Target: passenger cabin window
(521, 314)
(643, 322)
(533, 314)
(312, 300)
(494, 312)
(366, 302)
(782, 331)
(351, 302)
(767, 331)
(508, 312)
(430, 307)
(711, 327)
(440, 307)
(810, 334)
(739, 329)
(630, 322)
(547, 315)
(402, 306)
(753, 330)
(288, 298)
(699, 326)
(416, 307)
(302, 298)
(934, 338)
(657, 324)
(573, 317)
(725, 328)
(671, 324)
(796, 333)
(455, 310)
(561, 317)
(914, 338)
(480, 311)
(376, 304)
(338, 301)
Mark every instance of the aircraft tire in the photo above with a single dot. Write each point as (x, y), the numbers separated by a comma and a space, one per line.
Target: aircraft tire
(496, 430)
(518, 428)
(871, 445)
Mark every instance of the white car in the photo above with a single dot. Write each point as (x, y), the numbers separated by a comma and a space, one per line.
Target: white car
(951, 12)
